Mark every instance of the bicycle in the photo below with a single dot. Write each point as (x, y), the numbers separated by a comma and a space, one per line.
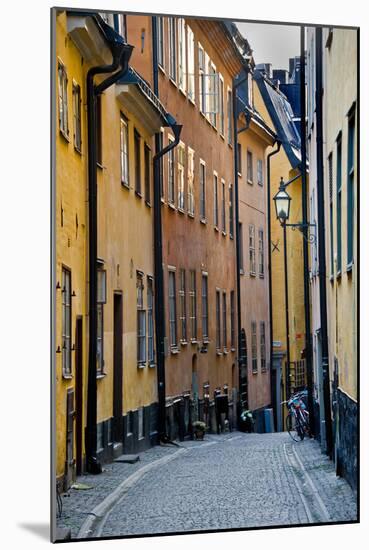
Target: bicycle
(297, 420)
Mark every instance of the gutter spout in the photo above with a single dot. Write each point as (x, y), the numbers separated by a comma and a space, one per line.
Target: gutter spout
(159, 279)
(121, 54)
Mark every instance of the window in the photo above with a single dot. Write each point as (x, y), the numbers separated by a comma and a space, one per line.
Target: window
(63, 100)
(191, 63)
(202, 190)
(171, 191)
(190, 182)
(239, 159)
(182, 305)
(339, 203)
(77, 117)
(202, 94)
(233, 341)
(231, 210)
(160, 39)
(141, 321)
(230, 114)
(101, 300)
(240, 230)
(150, 322)
(137, 144)
(99, 130)
(249, 167)
(216, 214)
(221, 105)
(147, 174)
(172, 310)
(213, 93)
(223, 208)
(261, 252)
(204, 300)
(262, 347)
(252, 249)
(260, 172)
(254, 349)
(224, 313)
(330, 184)
(217, 321)
(172, 48)
(66, 322)
(350, 188)
(192, 296)
(124, 150)
(181, 176)
(182, 54)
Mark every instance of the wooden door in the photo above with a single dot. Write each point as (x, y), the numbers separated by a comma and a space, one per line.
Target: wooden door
(79, 394)
(118, 368)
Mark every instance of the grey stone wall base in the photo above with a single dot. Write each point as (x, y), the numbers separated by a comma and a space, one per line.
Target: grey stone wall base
(346, 437)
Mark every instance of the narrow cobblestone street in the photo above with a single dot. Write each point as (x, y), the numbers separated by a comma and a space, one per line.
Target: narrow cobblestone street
(228, 481)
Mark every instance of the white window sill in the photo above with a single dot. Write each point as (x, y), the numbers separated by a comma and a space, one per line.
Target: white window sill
(190, 215)
(100, 376)
(172, 206)
(184, 343)
(174, 351)
(203, 221)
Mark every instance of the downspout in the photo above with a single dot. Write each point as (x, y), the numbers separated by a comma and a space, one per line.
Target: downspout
(321, 240)
(158, 248)
(273, 398)
(237, 232)
(121, 53)
(308, 354)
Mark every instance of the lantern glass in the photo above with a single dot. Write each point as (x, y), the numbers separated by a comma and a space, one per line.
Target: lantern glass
(282, 205)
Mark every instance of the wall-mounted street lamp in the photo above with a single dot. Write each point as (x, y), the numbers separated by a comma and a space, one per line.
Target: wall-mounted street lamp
(282, 203)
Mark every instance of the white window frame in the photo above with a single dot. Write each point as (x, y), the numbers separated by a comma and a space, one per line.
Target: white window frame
(205, 306)
(202, 185)
(66, 291)
(182, 55)
(150, 321)
(191, 64)
(182, 305)
(193, 305)
(77, 120)
(218, 323)
(215, 200)
(260, 172)
(124, 150)
(171, 173)
(261, 253)
(223, 207)
(63, 99)
(141, 320)
(190, 181)
(172, 301)
(249, 166)
(181, 161)
(160, 41)
(172, 49)
(252, 249)
(202, 80)
(221, 106)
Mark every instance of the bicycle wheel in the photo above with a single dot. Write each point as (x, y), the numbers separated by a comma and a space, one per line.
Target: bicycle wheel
(292, 427)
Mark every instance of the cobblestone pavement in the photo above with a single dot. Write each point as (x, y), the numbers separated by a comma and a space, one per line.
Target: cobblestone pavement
(228, 481)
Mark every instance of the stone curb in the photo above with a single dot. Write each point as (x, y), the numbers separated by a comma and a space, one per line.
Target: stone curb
(97, 515)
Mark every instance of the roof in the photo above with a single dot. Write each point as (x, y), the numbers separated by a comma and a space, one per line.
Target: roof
(255, 116)
(239, 42)
(281, 113)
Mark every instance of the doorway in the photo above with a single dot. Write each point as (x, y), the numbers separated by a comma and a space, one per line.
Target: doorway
(118, 369)
(79, 394)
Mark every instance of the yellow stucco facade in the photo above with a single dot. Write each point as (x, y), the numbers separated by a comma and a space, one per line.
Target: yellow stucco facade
(341, 81)
(280, 166)
(124, 249)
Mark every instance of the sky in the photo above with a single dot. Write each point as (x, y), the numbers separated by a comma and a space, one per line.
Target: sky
(272, 43)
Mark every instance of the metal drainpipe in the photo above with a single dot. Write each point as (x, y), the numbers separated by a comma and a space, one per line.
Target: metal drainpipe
(321, 240)
(121, 54)
(274, 403)
(237, 231)
(158, 249)
(308, 354)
